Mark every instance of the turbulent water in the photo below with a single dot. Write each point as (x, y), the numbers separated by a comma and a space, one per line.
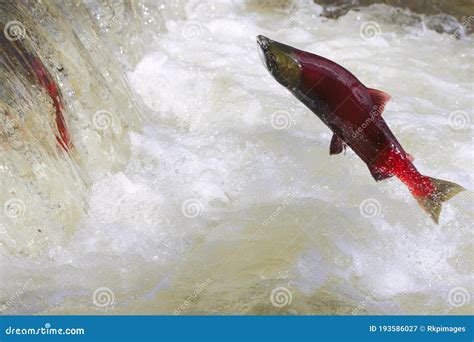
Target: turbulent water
(198, 185)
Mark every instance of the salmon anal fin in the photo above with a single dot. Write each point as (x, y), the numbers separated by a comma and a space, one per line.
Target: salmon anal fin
(378, 174)
(379, 98)
(337, 145)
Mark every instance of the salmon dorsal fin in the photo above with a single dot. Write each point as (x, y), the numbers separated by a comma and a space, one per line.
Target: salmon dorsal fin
(379, 98)
(337, 145)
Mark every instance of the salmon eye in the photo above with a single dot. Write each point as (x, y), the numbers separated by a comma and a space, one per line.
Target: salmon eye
(271, 60)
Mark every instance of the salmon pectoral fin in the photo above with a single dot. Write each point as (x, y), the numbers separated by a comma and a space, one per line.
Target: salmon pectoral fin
(444, 190)
(337, 145)
(378, 174)
(379, 98)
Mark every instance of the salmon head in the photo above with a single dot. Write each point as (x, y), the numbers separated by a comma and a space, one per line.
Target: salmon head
(280, 60)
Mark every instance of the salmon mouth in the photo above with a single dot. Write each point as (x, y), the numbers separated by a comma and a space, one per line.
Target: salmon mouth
(263, 44)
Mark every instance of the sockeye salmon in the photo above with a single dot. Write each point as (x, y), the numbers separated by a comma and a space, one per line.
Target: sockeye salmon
(353, 113)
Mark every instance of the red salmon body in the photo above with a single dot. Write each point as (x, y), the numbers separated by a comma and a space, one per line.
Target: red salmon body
(352, 112)
(46, 81)
(16, 54)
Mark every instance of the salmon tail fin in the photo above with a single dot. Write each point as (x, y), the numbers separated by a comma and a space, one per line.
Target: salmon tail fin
(444, 191)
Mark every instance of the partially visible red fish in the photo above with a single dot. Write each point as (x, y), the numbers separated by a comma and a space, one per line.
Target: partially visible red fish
(44, 78)
(353, 113)
(37, 72)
